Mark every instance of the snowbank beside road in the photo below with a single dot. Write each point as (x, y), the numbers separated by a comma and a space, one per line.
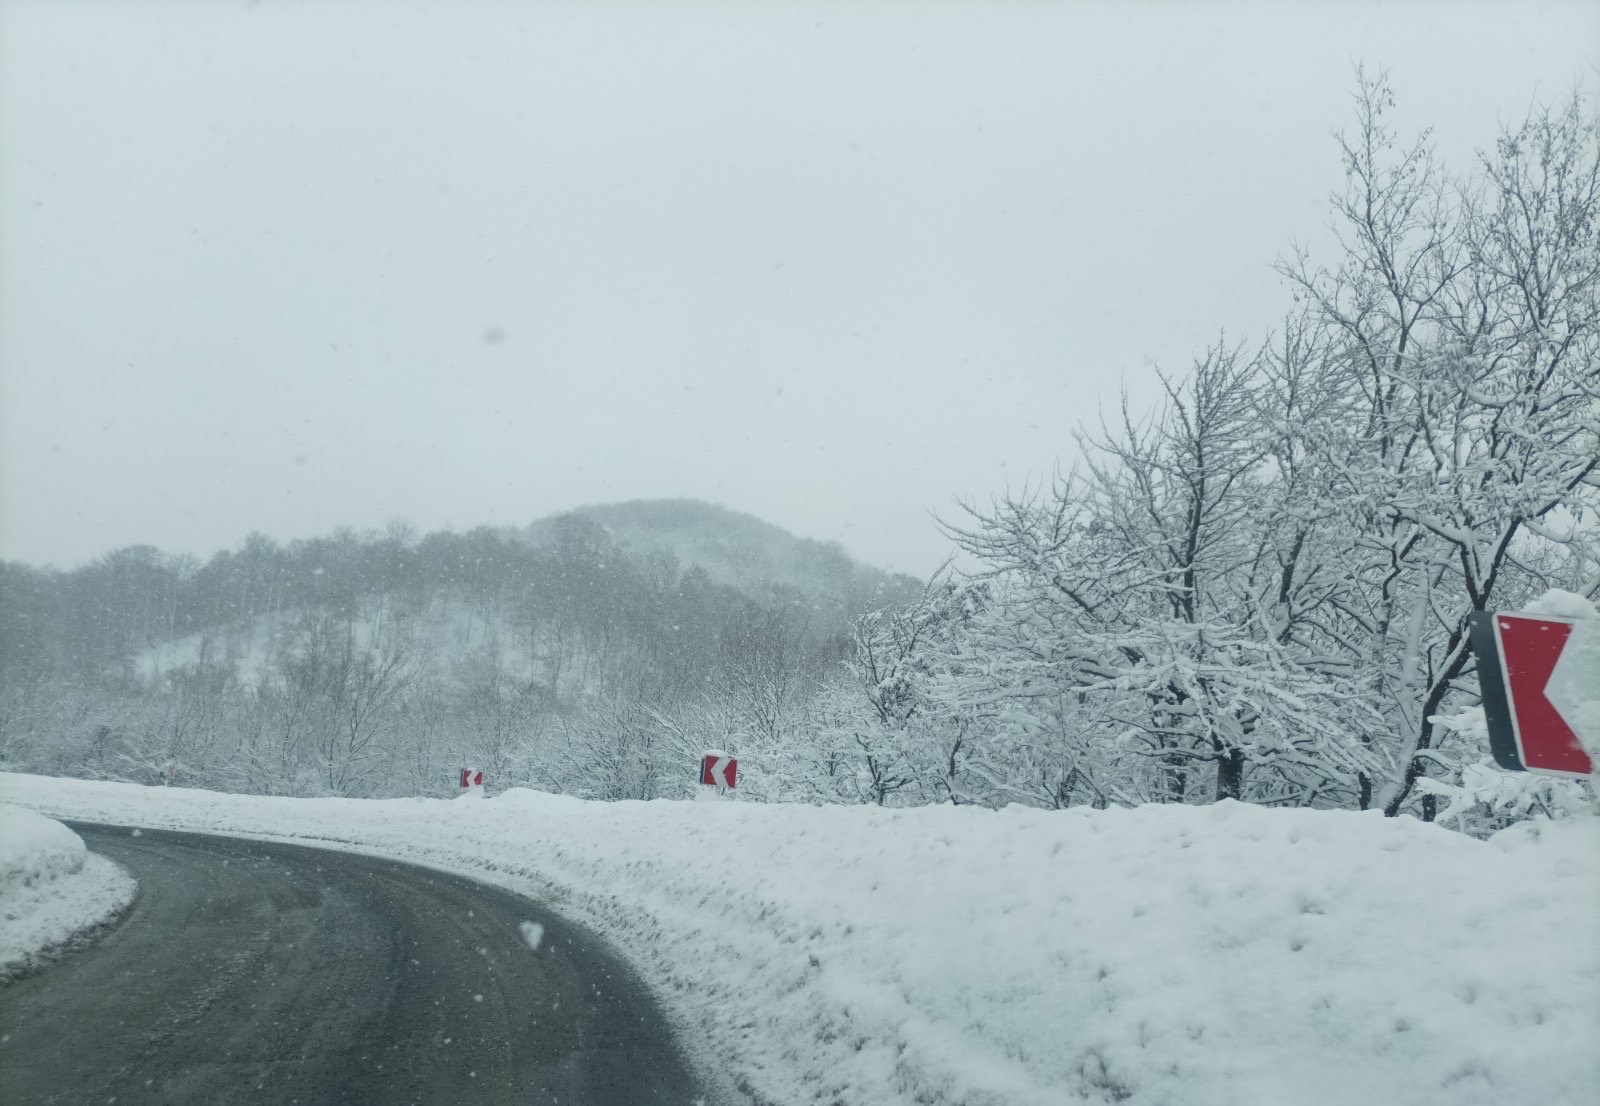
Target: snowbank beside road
(52, 889)
(1158, 956)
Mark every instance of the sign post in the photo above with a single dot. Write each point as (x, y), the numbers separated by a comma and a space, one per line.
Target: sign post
(471, 777)
(1525, 672)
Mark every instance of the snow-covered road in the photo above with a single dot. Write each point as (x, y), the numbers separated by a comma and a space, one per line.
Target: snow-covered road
(256, 972)
(1161, 956)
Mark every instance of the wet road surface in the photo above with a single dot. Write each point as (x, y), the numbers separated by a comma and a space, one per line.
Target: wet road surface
(266, 973)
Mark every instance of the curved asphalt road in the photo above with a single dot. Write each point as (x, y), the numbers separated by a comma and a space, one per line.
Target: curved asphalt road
(266, 973)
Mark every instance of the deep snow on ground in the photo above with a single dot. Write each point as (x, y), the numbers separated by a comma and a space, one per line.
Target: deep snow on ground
(1161, 955)
(52, 889)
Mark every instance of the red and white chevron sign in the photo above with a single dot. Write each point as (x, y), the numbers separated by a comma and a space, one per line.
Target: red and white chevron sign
(472, 777)
(719, 770)
(1537, 687)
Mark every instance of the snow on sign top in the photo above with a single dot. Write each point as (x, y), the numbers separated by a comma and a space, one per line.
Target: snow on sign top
(1539, 682)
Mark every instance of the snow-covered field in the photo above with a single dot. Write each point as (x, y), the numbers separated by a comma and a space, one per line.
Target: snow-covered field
(52, 889)
(1161, 955)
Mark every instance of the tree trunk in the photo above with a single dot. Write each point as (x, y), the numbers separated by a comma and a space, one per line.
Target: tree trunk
(1176, 778)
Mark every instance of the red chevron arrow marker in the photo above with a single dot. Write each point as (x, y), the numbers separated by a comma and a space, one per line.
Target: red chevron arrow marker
(1533, 694)
(719, 770)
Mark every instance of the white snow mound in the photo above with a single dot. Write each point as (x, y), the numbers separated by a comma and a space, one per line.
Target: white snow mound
(1163, 956)
(52, 888)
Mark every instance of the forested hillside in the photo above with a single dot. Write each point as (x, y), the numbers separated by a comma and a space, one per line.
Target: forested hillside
(372, 663)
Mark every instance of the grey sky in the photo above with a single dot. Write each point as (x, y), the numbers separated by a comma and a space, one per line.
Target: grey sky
(285, 267)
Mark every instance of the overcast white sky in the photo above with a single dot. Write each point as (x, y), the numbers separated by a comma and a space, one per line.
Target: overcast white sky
(286, 267)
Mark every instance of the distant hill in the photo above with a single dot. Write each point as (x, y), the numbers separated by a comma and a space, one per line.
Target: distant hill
(627, 635)
(743, 552)
(664, 591)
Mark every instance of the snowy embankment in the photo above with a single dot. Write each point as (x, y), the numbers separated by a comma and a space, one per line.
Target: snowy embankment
(1163, 955)
(52, 889)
